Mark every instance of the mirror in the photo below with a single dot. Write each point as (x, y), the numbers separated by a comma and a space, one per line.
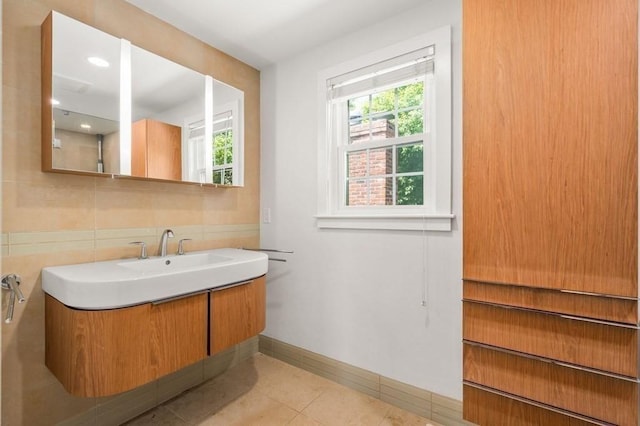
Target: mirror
(85, 142)
(85, 97)
(141, 115)
(227, 135)
(164, 95)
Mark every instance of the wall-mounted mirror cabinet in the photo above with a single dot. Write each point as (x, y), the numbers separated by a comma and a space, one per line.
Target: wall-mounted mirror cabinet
(113, 109)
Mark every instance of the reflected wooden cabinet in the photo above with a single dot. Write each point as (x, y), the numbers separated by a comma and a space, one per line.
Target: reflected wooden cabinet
(236, 314)
(550, 320)
(156, 150)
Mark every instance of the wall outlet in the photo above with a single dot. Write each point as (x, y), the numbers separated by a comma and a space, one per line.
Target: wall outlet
(266, 215)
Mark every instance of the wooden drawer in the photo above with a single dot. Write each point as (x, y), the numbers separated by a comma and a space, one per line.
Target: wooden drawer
(594, 345)
(601, 397)
(582, 305)
(488, 408)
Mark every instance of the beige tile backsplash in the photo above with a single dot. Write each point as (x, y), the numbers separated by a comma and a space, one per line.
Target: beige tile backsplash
(54, 219)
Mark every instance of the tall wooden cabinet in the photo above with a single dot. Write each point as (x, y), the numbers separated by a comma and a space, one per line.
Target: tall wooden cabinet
(550, 211)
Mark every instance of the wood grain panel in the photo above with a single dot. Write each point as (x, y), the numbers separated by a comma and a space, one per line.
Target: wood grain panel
(599, 346)
(486, 408)
(164, 151)
(139, 148)
(178, 333)
(46, 57)
(593, 395)
(101, 353)
(97, 353)
(237, 314)
(602, 308)
(156, 150)
(550, 143)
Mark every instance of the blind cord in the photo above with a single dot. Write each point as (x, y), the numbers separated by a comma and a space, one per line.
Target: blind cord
(425, 259)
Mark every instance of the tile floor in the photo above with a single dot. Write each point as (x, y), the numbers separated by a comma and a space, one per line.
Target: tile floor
(265, 391)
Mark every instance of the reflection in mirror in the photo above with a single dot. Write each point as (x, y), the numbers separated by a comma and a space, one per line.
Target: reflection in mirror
(221, 161)
(228, 137)
(84, 142)
(85, 100)
(163, 93)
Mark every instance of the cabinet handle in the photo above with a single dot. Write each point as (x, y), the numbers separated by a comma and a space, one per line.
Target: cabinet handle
(224, 287)
(555, 290)
(552, 361)
(174, 298)
(209, 290)
(554, 314)
(535, 403)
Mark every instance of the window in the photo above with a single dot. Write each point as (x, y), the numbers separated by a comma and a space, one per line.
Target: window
(223, 148)
(385, 152)
(218, 161)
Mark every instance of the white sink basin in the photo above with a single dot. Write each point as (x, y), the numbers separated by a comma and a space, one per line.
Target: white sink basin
(119, 283)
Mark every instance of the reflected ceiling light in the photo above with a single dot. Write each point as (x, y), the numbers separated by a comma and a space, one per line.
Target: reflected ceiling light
(55, 102)
(85, 126)
(98, 62)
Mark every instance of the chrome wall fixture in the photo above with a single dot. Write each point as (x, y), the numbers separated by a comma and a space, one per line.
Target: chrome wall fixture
(11, 282)
(275, 259)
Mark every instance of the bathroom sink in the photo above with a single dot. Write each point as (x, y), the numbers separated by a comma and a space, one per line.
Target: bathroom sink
(174, 263)
(120, 283)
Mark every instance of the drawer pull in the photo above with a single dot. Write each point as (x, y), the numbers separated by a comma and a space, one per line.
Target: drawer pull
(209, 290)
(174, 298)
(224, 287)
(557, 290)
(537, 404)
(553, 361)
(555, 314)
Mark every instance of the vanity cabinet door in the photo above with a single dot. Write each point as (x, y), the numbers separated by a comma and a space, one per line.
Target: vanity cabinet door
(105, 352)
(237, 313)
(178, 333)
(97, 353)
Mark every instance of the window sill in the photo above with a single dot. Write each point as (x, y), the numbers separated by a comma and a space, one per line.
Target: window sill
(414, 222)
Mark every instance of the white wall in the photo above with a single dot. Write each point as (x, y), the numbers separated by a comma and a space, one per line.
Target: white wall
(356, 295)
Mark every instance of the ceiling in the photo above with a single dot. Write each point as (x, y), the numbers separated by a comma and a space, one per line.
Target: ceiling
(261, 32)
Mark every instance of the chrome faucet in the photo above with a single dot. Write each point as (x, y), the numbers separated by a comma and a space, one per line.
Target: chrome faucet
(166, 234)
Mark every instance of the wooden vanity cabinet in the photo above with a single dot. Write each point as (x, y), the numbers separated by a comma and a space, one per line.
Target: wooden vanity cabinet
(156, 150)
(101, 353)
(236, 314)
(104, 352)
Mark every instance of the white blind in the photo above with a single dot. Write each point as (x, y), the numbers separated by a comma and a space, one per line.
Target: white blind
(382, 74)
(222, 121)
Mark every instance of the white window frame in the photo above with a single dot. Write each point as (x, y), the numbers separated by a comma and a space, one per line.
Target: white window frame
(435, 214)
(197, 164)
(234, 108)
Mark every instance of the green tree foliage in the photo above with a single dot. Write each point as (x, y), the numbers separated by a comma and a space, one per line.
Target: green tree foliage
(223, 155)
(402, 106)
